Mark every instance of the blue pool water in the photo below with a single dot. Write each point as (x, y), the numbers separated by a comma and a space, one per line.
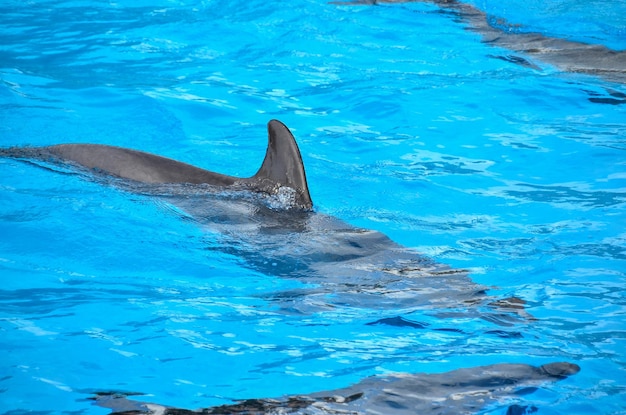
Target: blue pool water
(408, 124)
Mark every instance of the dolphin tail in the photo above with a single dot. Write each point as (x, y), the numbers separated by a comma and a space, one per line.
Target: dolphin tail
(282, 166)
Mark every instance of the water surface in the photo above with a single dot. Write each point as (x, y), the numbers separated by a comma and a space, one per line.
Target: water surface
(408, 125)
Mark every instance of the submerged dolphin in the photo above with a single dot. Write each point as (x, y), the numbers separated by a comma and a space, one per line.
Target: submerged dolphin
(461, 391)
(339, 264)
(567, 55)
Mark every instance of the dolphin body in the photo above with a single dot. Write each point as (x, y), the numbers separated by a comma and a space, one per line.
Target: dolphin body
(281, 169)
(461, 391)
(338, 264)
(569, 56)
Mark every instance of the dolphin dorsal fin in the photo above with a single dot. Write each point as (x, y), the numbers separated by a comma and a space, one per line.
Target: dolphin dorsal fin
(282, 166)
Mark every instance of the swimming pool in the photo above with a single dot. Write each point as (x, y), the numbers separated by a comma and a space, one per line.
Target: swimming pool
(476, 156)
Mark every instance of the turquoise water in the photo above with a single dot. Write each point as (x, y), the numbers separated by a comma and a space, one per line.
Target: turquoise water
(408, 124)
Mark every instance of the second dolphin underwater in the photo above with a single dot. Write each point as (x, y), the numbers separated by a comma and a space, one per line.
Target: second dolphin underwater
(461, 391)
(567, 55)
(342, 265)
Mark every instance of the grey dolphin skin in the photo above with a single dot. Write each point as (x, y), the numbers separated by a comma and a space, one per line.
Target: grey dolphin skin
(569, 56)
(461, 391)
(336, 263)
(281, 168)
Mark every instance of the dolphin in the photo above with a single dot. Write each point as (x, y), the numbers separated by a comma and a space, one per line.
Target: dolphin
(461, 391)
(282, 167)
(567, 55)
(336, 263)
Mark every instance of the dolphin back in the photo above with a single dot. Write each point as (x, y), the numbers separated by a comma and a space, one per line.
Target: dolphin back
(281, 169)
(136, 165)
